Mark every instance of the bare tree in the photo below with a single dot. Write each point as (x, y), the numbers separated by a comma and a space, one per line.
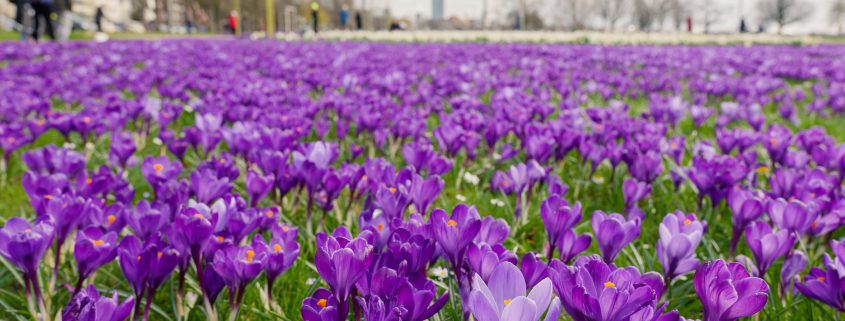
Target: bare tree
(784, 12)
(611, 11)
(576, 13)
(650, 13)
(837, 14)
(709, 13)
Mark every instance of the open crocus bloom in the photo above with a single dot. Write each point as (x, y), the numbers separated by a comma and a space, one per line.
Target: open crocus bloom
(503, 297)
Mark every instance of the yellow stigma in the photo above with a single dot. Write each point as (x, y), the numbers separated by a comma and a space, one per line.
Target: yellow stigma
(99, 242)
(197, 215)
(250, 254)
(773, 141)
(452, 223)
(88, 181)
(86, 119)
(111, 219)
(269, 213)
(507, 301)
(609, 284)
(380, 227)
(322, 303)
(48, 197)
(159, 254)
(762, 170)
(277, 248)
(158, 167)
(821, 279)
(285, 228)
(687, 222)
(393, 190)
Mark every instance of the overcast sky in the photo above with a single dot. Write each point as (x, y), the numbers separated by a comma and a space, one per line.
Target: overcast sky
(819, 22)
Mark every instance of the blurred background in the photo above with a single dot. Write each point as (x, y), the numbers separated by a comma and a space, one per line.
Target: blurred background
(72, 18)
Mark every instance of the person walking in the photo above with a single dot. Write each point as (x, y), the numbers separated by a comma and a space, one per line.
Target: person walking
(21, 17)
(359, 23)
(98, 19)
(43, 10)
(315, 15)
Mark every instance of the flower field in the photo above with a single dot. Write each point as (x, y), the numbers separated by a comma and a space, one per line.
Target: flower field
(263, 180)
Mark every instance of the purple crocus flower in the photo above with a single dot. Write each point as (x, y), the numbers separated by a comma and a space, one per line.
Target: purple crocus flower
(570, 244)
(592, 290)
(207, 186)
(558, 218)
(122, 148)
(454, 233)
(160, 169)
(321, 306)
(647, 166)
(88, 305)
(533, 269)
(257, 186)
(794, 264)
(93, 249)
(493, 231)
(422, 192)
(24, 243)
(792, 215)
(484, 259)
(613, 233)
(238, 266)
(504, 297)
(282, 251)
(148, 218)
(633, 191)
(766, 245)
(727, 292)
(679, 237)
(341, 261)
(746, 206)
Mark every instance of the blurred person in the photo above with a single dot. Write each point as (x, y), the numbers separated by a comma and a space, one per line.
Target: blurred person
(315, 15)
(21, 13)
(233, 22)
(344, 17)
(359, 24)
(98, 19)
(43, 10)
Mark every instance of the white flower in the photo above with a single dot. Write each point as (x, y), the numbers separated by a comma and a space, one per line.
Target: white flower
(471, 178)
(497, 202)
(69, 146)
(598, 179)
(461, 198)
(440, 272)
(157, 141)
(310, 281)
(146, 194)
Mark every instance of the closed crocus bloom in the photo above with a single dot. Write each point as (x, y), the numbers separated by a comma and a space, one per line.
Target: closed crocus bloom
(193, 228)
(122, 148)
(680, 235)
(93, 249)
(24, 244)
(493, 231)
(746, 206)
(341, 261)
(484, 259)
(133, 262)
(88, 305)
(160, 169)
(454, 233)
(766, 245)
(647, 167)
(423, 191)
(794, 264)
(613, 233)
(257, 186)
(792, 215)
(148, 218)
(533, 269)
(592, 290)
(207, 185)
(558, 216)
(783, 182)
(504, 297)
(570, 244)
(633, 191)
(727, 292)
